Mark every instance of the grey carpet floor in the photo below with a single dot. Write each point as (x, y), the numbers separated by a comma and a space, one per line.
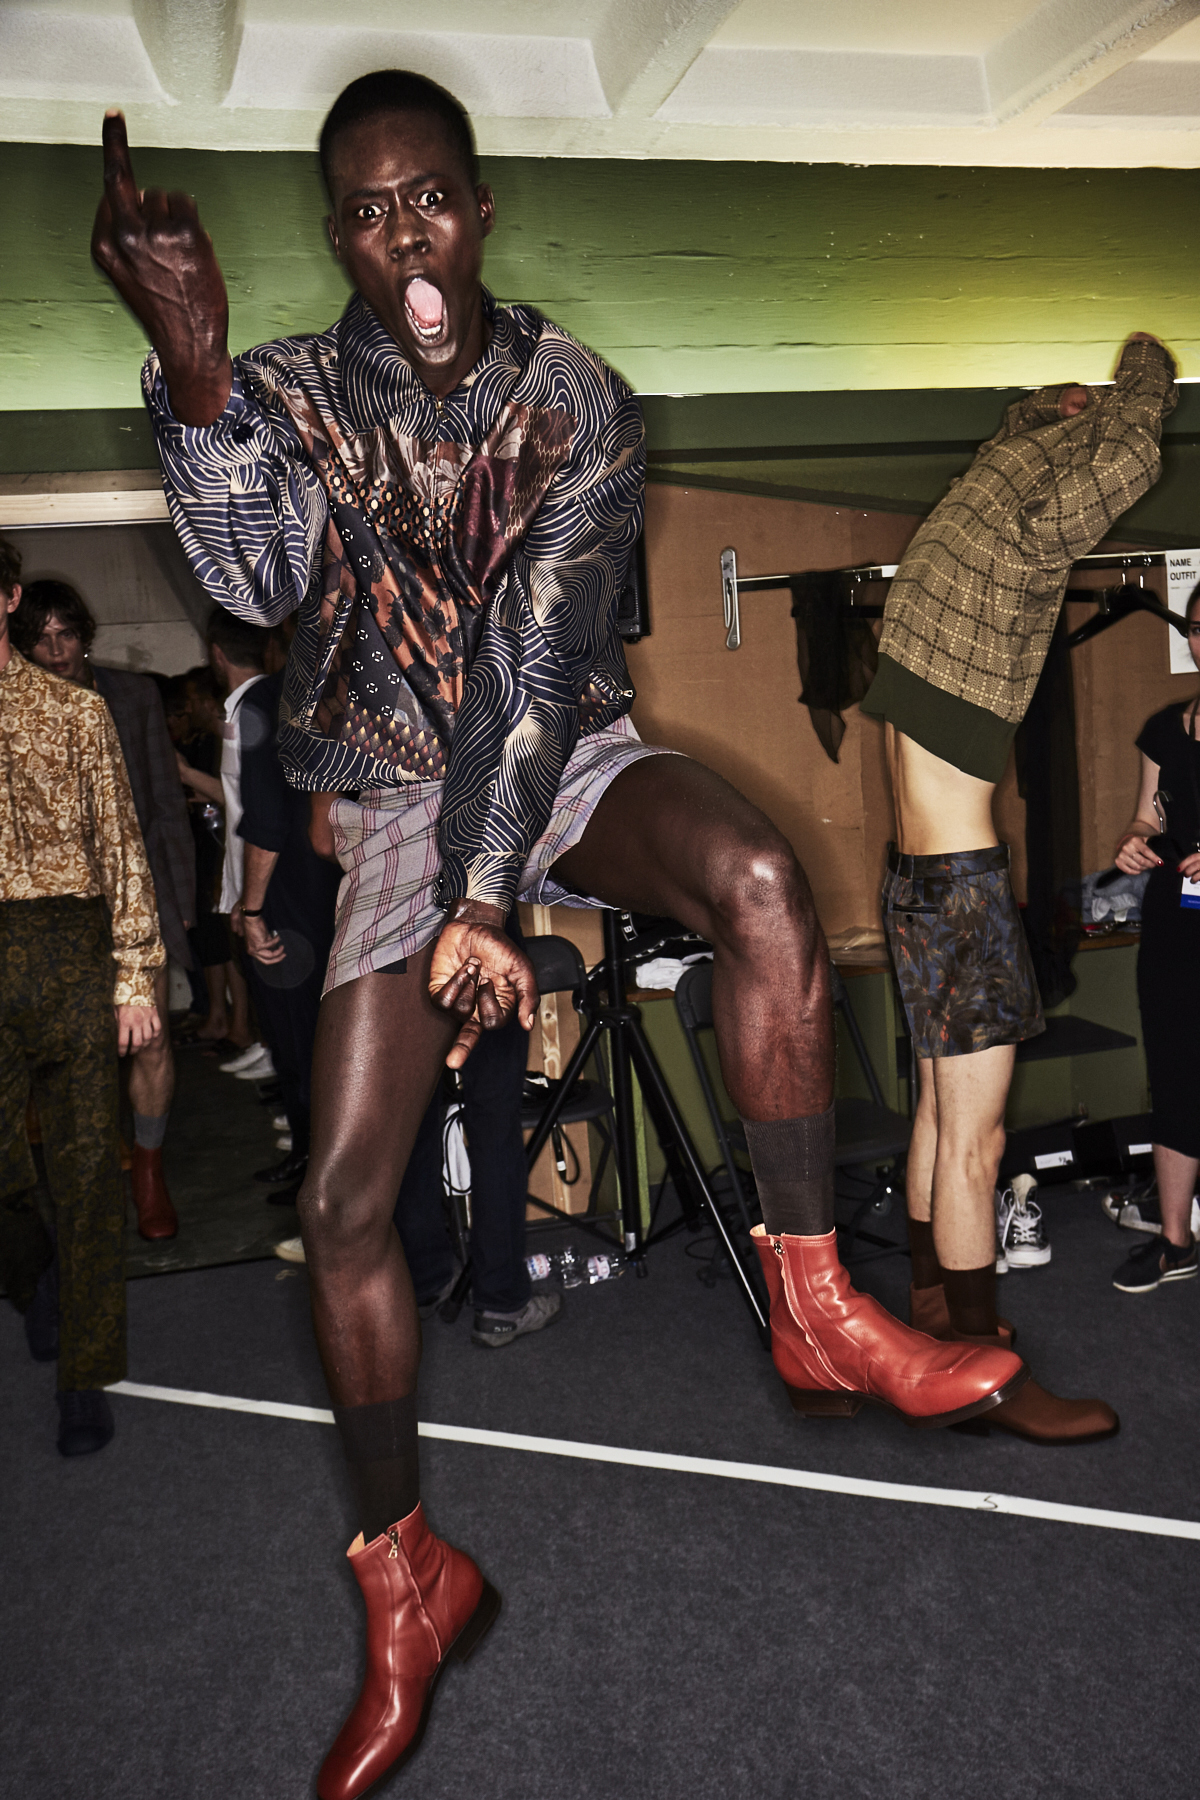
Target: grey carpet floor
(179, 1621)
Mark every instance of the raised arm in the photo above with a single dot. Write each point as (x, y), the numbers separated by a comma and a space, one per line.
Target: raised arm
(1070, 517)
(158, 256)
(248, 508)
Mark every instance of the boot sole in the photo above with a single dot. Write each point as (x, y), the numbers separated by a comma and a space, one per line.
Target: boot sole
(467, 1641)
(843, 1403)
(985, 1427)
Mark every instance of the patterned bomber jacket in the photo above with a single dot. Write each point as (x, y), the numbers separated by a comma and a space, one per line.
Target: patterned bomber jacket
(974, 603)
(457, 563)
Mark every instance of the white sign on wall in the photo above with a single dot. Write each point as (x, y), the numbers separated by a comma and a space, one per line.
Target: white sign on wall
(1183, 574)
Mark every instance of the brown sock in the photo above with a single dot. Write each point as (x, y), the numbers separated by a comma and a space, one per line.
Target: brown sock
(971, 1299)
(792, 1160)
(380, 1444)
(926, 1271)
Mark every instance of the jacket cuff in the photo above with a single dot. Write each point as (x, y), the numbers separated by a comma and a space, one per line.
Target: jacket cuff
(135, 985)
(491, 878)
(230, 426)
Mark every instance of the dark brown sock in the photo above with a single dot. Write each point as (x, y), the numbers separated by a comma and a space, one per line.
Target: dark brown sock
(926, 1271)
(380, 1443)
(792, 1160)
(971, 1299)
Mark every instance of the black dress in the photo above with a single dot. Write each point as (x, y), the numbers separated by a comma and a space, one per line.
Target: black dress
(1168, 972)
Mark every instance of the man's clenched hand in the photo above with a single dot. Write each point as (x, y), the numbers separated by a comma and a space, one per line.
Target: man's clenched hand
(480, 975)
(160, 259)
(137, 1026)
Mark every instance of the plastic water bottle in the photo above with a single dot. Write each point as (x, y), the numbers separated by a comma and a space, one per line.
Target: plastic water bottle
(569, 1267)
(606, 1267)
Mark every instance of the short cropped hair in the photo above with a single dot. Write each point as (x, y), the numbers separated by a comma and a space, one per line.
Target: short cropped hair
(245, 645)
(10, 566)
(397, 90)
(43, 600)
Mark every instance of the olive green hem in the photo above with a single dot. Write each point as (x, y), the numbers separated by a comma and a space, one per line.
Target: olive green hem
(970, 737)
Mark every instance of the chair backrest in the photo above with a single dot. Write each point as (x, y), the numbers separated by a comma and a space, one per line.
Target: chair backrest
(693, 996)
(558, 966)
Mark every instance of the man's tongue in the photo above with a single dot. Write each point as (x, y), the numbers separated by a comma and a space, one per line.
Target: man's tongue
(425, 303)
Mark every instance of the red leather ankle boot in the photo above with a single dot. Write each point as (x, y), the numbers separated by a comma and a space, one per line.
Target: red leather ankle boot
(836, 1349)
(425, 1602)
(155, 1214)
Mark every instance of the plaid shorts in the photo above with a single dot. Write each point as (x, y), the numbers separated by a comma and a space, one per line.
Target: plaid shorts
(386, 841)
(960, 952)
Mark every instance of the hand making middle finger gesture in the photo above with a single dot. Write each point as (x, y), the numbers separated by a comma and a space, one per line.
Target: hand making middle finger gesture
(160, 259)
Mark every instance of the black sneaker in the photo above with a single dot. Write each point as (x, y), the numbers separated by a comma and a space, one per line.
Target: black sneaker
(85, 1421)
(1155, 1261)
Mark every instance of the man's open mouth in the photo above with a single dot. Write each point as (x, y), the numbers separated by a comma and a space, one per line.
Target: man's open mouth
(426, 309)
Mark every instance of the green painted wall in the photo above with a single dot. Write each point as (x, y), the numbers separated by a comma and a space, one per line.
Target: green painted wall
(690, 277)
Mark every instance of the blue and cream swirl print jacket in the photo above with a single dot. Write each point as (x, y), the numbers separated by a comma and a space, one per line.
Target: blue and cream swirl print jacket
(457, 563)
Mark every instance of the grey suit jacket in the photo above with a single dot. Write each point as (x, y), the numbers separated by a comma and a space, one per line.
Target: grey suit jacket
(133, 701)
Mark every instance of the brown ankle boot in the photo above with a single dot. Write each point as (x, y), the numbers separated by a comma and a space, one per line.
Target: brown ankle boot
(836, 1348)
(156, 1215)
(425, 1602)
(1042, 1418)
(928, 1312)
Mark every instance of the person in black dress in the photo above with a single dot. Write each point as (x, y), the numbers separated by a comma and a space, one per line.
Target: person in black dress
(1164, 837)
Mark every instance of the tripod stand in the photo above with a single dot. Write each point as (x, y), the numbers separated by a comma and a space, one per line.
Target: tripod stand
(629, 1051)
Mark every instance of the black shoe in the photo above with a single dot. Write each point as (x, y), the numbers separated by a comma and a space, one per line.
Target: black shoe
(282, 1196)
(41, 1317)
(85, 1421)
(288, 1173)
(1152, 1263)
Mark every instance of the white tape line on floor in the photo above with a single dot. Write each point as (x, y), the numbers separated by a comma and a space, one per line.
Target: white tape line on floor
(1012, 1504)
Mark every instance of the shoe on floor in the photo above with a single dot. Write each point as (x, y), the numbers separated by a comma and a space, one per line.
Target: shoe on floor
(1024, 1245)
(291, 1250)
(497, 1329)
(280, 1122)
(426, 1308)
(85, 1421)
(244, 1058)
(1004, 1209)
(41, 1316)
(284, 1142)
(285, 1173)
(1152, 1263)
(261, 1070)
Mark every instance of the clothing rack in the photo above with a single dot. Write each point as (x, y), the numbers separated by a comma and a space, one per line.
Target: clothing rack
(863, 590)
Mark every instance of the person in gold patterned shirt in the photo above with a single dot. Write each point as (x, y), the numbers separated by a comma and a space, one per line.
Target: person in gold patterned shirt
(79, 950)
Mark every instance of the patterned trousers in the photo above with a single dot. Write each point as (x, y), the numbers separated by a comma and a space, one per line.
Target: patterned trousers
(58, 1038)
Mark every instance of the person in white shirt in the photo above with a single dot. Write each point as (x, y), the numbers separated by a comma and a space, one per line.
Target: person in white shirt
(237, 652)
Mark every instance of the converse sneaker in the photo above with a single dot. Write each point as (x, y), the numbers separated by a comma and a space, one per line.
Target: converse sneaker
(496, 1329)
(1004, 1209)
(1152, 1263)
(1026, 1246)
(290, 1250)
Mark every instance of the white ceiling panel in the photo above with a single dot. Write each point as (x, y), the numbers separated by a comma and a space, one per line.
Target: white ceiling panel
(1104, 83)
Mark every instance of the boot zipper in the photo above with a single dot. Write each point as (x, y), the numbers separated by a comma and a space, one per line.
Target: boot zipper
(394, 1541)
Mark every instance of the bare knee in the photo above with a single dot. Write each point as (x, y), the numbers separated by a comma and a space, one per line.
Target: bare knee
(341, 1219)
(761, 900)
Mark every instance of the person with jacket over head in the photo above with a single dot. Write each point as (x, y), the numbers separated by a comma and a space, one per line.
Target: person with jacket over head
(450, 491)
(966, 630)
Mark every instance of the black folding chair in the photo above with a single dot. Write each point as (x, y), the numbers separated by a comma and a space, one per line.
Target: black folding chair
(868, 1132)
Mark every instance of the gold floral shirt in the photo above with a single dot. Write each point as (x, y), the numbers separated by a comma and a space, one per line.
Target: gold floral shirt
(67, 823)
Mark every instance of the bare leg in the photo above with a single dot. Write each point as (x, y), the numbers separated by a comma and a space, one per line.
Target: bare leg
(1176, 1177)
(971, 1093)
(239, 1024)
(922, 1145)
(216, 1026)
(379, 1051)
(671, 837)
(152, 1068)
